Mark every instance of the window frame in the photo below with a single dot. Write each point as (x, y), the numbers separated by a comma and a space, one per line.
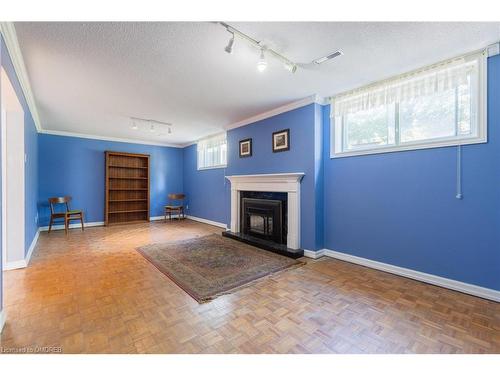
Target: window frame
(218, 166)
(337, 126)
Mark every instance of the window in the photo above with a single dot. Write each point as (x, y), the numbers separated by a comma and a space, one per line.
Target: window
(440, 105)
(212, 152)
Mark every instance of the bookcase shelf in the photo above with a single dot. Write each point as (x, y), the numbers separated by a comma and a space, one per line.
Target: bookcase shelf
(127, 188)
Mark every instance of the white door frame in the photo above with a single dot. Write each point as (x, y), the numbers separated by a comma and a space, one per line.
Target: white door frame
(13, 184)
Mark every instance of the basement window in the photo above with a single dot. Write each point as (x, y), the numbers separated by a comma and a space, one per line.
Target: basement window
(212, 152)
(436, 106)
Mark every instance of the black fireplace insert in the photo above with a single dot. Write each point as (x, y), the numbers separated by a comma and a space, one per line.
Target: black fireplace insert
(264, 215)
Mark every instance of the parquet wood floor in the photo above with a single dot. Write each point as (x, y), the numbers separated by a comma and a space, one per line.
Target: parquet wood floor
(91, 292)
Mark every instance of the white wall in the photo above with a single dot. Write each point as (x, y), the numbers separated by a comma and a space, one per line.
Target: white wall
(12, 127)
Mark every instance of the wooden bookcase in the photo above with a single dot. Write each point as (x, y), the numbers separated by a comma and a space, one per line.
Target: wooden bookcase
(127, 188)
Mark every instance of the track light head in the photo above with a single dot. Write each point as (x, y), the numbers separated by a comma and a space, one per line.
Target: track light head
(134, 125)
(291, 67)
(229, 47)
(262, 64)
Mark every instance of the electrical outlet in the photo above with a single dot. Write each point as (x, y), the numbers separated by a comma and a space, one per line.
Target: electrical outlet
(187, 207)
(36, 219)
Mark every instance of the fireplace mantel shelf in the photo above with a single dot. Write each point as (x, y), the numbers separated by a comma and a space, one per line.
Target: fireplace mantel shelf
(267, 177)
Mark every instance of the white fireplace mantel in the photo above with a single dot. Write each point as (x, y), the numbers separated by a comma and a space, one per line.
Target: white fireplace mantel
(277, 182)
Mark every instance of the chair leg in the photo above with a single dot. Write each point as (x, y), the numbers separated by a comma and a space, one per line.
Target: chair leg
(66, 223)
(81, 219)
(165, 214)
(50, 224)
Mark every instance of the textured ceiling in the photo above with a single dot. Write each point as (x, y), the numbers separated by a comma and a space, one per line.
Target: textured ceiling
(90, 78)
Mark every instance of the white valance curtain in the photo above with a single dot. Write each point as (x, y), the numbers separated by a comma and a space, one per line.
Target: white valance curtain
(422, 82)
(212, 151)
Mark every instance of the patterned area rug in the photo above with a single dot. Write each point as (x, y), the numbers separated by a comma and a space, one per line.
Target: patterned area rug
(210, 266)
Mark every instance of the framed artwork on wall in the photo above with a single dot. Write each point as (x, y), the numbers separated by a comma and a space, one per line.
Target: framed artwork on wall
(246, 148)
(281, 140)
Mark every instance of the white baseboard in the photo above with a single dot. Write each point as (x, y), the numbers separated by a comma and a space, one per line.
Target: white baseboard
(459, 286)
(206, 221)
(3, 317)
(8, 266)
(73, 226)
(156, 218)
(314, 254)
(32, 247)
(24, 262)
(194, 218)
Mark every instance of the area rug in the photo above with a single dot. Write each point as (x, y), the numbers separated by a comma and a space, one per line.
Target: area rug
(210, 266)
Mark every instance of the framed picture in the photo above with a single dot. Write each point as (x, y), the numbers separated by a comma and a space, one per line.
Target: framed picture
(281, 140)
(246, 148)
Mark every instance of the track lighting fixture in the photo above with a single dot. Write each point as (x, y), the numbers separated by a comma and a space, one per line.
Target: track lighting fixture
(262, 64)
(151, 125)
(229, 47)
(292, 68)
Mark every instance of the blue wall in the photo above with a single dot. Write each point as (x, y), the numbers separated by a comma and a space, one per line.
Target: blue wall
(303, 124)
(400, 208)
(31, 150)
(76, 166)
(207, 191)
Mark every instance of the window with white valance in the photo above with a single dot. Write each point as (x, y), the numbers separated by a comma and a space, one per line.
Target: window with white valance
(441, 105)
(212, 152)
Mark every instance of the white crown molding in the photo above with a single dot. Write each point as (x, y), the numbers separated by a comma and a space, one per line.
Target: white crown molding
(112, 139)
(459, 286)
(493, 49)
(9, 35)
(276, 111)
(273, 112)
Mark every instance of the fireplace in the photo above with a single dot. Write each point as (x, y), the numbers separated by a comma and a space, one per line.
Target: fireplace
(265, 211)
(264, 215)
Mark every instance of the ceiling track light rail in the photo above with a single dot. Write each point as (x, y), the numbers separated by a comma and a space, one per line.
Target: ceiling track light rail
(262, 64)
(150, 123)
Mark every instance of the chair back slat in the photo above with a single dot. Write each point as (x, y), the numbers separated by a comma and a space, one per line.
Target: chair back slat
(176, 197)
(59, 200)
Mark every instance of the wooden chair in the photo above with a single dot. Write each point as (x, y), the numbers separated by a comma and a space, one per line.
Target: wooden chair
(67, 215)
(175, 205)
